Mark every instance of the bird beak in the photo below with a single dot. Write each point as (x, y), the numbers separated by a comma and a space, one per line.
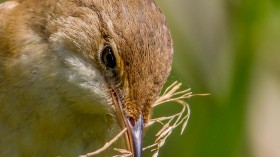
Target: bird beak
(134, 127)
(135, 133)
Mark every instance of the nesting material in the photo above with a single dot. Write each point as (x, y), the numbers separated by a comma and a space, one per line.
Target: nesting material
(169, 123)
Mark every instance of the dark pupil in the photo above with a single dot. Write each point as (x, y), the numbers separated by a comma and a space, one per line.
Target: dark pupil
(108, 57)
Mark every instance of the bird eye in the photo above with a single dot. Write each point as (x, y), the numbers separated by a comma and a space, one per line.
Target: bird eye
(108, 58)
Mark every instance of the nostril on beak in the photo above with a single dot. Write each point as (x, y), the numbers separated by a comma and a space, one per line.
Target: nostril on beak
(131, 121)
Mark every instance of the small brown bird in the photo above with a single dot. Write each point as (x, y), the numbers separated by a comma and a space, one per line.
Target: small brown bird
(73, 73)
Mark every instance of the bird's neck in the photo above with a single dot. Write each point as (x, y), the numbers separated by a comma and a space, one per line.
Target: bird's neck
(41, 126)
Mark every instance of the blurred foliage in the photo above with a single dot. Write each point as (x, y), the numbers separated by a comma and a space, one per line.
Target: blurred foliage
(217, 49)
(221, 47)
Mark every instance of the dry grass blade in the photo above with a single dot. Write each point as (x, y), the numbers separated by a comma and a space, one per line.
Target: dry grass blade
(106, 146)
(169, 123)
(171, 94)
(124, 153)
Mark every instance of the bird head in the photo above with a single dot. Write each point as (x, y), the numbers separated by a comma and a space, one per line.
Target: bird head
(110, 56)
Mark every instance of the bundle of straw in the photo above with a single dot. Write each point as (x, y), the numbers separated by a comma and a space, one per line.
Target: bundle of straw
(169, 123)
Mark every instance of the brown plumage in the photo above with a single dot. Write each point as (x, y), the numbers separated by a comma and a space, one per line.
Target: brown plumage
(50, 62)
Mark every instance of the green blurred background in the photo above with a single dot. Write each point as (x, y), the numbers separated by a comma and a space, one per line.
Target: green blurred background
(231, 49)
